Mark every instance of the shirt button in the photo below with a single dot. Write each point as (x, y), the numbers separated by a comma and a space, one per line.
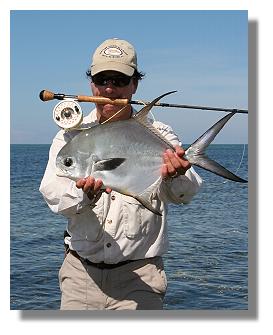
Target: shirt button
(109, 221)
(113, 197)
(108, 245)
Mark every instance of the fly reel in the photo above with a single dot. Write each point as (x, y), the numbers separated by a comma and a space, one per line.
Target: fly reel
(67, 114)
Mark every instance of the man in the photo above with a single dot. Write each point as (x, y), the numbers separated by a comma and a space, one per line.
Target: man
(114, 244)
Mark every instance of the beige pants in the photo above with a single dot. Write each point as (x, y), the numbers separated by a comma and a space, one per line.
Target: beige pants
(137, 285)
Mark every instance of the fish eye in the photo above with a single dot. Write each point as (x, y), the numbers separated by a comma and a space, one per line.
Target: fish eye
(68, 161)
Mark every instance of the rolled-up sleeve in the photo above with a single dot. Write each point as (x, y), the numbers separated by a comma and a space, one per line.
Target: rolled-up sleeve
(60, 193)
(183, 188)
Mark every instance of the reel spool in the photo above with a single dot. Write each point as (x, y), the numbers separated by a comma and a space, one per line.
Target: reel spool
(67, 114)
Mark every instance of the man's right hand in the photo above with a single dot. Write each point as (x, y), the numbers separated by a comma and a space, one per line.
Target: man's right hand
(91, 187)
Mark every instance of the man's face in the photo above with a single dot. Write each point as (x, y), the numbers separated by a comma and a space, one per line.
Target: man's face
(108, 85)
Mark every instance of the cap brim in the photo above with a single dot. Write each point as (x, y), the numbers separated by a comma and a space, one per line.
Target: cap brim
(112, 66)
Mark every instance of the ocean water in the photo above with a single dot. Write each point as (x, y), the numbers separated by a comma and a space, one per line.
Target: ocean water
(207, 261)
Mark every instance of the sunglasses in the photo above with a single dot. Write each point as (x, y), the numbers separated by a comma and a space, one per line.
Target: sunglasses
(117, 80)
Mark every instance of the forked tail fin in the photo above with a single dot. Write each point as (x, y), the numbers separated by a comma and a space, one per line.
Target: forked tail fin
(195, 154)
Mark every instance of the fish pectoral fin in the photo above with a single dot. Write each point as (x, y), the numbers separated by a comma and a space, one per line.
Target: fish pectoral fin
(108, 164)
(212, 166)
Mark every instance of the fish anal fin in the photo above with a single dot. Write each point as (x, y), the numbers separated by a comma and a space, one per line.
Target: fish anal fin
(147, 205)
(145, 198)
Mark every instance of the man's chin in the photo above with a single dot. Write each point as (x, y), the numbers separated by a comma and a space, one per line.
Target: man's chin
(108, 111)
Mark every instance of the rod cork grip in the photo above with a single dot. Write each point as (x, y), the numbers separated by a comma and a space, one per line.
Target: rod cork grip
(102, 100)
(46, 95)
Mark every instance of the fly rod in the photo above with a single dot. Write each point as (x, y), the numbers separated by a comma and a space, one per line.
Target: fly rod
(47, 96)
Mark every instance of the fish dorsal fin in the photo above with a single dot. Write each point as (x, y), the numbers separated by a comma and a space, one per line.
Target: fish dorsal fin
(142, 114)
(141, 117)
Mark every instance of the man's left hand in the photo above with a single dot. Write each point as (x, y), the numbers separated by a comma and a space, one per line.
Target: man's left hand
(174, 163)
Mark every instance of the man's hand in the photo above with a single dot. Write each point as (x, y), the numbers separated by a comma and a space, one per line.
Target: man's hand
(174, 163)
(92, 187)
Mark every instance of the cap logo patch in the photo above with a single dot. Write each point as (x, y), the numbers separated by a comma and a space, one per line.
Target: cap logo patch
(113, 51)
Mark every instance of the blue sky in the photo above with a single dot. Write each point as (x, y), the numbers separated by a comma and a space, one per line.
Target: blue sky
(201, 54)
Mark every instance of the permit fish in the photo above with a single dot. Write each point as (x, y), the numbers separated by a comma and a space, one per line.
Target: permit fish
(127, 155)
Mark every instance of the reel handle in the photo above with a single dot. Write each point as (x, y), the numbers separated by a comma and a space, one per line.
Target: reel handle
(47, 96)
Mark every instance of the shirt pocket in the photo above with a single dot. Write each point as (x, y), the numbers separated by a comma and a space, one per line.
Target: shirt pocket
(138, 220)
(87, 226)
(132, 219)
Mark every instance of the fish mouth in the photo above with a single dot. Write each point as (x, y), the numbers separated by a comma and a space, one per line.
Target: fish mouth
(66, 174)
(62, 173)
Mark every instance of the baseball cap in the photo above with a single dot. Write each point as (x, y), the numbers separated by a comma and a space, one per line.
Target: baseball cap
(115, 55)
